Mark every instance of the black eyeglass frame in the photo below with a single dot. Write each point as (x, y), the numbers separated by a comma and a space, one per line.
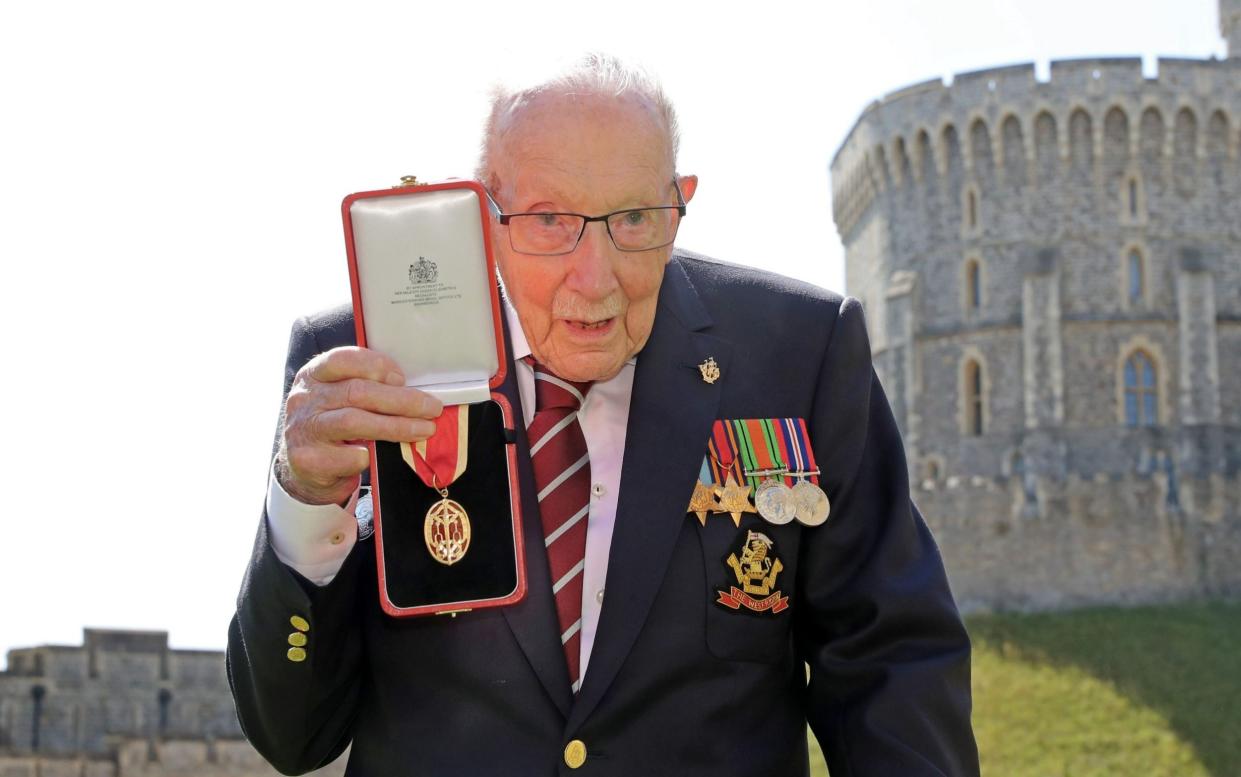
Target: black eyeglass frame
(504, 219)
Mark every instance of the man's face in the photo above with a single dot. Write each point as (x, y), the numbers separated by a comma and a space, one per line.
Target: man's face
(586, 313)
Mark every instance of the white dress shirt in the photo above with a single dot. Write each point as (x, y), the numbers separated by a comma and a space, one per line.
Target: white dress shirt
(315, 539)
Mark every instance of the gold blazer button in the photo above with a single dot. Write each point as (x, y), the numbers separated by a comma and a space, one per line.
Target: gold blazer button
(297, 655)
(300, 623)
(575, 754)
(297, 639)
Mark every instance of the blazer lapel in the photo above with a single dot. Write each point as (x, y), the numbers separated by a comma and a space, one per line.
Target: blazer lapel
(670, 417)
(533, 619)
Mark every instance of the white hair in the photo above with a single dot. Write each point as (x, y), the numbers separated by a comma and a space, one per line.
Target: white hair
(592, 74)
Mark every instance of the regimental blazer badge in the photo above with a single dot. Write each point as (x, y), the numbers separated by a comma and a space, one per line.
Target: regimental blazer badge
(756, 568)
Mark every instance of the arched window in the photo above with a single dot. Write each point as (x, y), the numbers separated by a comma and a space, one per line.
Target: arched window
(1135, 277)
(1141, 394)
(1133, 198)
(973, 399)
(972, 209)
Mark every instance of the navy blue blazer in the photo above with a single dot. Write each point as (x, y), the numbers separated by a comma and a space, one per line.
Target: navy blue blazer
(677, 683)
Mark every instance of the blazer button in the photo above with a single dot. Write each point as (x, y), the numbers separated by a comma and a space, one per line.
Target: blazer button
(299, 623)
(575, 754)
(297, 655)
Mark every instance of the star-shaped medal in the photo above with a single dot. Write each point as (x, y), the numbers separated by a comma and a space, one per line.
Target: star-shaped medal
(703, 501)
(735, 499)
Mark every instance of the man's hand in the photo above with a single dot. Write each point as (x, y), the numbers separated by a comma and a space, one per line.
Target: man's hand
(339, 399)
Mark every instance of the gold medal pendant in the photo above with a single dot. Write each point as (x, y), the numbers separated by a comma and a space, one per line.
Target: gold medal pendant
(775, 502)
(438, 461)
(811, 505)
(447, 530)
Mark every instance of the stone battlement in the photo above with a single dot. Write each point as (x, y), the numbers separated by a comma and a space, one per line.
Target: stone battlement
(109, 657)
(985, 123)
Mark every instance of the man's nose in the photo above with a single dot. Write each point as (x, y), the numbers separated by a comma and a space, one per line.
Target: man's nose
(593, 272)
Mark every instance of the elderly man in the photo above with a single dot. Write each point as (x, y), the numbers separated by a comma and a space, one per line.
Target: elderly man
(631, 653)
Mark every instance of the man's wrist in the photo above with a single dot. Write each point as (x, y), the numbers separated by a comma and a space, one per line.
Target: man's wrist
(312, 539)
(291, 486)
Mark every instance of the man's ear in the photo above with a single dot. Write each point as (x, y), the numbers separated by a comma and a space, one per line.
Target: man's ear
(688, 184)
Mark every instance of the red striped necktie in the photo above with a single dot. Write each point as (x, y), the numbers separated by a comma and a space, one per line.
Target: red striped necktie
(562, 478)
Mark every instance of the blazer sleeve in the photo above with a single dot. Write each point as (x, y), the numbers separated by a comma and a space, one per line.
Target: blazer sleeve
(297, 713)
(889, 658)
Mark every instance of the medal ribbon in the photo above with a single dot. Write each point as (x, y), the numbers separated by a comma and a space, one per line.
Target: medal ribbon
(757, 451)
(778, 429)
(800, 456)
(440, 459)
(722, 452)
(779, 459)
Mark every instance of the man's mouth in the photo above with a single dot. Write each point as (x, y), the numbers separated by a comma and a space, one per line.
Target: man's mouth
(589, 326)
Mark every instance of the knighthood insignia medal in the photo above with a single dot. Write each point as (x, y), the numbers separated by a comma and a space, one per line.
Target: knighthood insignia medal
(710, 370)
(756, 568)
(811, 505)
(438, 461)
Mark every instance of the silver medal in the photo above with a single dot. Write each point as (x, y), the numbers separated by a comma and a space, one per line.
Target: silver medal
(811, 504)
(775, 502)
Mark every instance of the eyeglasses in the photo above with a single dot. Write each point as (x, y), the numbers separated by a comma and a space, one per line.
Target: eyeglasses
(553, 234)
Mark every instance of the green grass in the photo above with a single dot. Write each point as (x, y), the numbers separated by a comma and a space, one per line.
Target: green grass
(1149, 691)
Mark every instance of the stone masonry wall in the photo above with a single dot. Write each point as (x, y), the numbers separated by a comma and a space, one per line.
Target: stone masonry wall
(122, 704)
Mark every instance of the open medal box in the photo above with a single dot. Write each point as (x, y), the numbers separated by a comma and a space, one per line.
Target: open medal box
(447, 512)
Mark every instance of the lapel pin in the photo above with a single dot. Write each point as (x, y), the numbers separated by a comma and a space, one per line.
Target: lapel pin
(710, 370)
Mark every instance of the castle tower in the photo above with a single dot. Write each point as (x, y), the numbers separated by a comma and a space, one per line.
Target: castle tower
(1051, 274)
(1230, 25)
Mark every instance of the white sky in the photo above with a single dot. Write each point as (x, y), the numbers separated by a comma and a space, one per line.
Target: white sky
(170, 181)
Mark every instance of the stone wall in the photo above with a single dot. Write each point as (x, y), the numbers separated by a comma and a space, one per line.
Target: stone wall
(122, 704)
(1085, 540)
(172, 758)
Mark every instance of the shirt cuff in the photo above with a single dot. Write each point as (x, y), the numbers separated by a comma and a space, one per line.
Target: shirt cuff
(314, 540)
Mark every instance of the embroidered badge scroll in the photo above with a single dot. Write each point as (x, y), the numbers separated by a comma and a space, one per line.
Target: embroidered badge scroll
(756, 568)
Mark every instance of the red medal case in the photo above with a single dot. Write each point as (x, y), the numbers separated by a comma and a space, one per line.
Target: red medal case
(424, 293)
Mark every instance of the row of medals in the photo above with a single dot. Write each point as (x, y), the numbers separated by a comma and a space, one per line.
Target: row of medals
(776, 502)
(779, 504)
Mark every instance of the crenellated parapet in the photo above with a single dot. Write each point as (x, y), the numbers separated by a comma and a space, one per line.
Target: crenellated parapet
(1003, 127)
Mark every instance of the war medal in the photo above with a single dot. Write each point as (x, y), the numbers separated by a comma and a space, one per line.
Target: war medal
(774, 501)
(732, 492)
(764, 467)
(446, 528)
(703, 501)
(811, 504)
